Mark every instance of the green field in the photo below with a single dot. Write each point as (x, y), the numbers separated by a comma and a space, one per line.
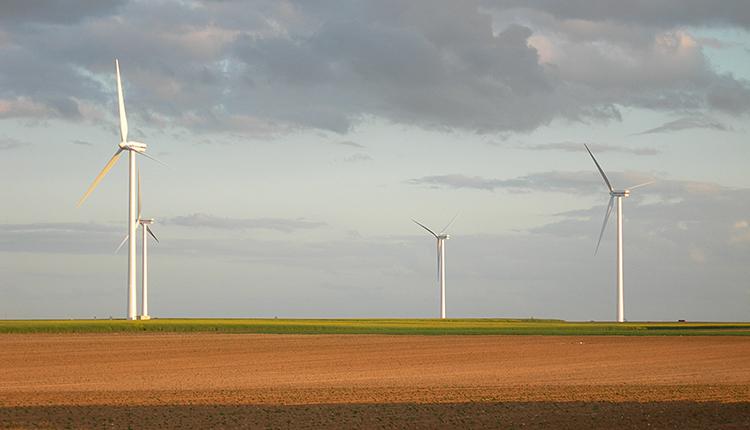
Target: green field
(379, 326)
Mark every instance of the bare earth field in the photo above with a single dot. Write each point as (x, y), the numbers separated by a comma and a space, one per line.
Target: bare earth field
(372, 381)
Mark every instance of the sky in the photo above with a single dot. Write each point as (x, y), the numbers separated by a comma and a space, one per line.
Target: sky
(300, 139)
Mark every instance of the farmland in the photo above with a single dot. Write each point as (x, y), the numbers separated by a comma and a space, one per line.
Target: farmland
(380, 326)
(249, 380)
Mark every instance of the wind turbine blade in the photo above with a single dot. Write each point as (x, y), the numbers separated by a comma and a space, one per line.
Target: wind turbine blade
(600, 168)
(450, 223)
(148, 229)
(640, 185)
(425, 227)
(139, 194)
(155, 159)
(101, 175)
(122, 243)
(604, 225)
(121, 106)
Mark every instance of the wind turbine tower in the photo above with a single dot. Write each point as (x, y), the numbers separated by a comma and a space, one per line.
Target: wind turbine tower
(618, 195)
(441, 238)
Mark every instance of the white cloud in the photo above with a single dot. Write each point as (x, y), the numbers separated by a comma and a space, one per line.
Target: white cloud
(222, 223)
(578, 147)
(7, 143)
(565, 182)
(357, 158)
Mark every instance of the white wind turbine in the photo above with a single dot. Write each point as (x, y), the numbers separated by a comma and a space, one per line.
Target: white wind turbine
(133, 148)
(441, 237)
(615, 194)
(144, 223)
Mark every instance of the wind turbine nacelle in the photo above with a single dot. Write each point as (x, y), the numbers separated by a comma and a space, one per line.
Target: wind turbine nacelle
(137, 146)
(444, 236)
(623, 193)
(133, 146)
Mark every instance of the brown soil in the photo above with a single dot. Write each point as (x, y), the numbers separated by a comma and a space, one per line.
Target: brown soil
(322, 381)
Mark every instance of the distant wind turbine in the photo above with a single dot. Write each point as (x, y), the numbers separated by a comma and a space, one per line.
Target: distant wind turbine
(441, 237)
(615, 194)
(145, 225)
(133, 148)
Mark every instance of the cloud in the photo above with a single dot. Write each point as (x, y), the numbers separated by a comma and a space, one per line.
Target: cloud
(23, 107)
(688, 123)
(487, 67)
(656, 13)
(357, 158)
(548, 271)
(402, 69)
(73, 238)
(570, 182)
(740, 232)
(458, 181)
(698, 219)
(582, 182)
(70, 12)
(215, 222)
(500, 274)
(348, 143)
(68, 227)
(578, 147)
(697, 255)
(7, 143)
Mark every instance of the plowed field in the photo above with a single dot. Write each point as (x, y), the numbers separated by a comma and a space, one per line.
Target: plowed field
(372, 381)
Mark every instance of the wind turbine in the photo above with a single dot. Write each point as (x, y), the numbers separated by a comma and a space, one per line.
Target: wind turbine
(144, 223)
(133, 148)
(615, 194)
(441, 237)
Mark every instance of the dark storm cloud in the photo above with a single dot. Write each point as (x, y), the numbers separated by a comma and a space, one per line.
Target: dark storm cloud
(210, 221)
(270, 67)
(397, 65)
